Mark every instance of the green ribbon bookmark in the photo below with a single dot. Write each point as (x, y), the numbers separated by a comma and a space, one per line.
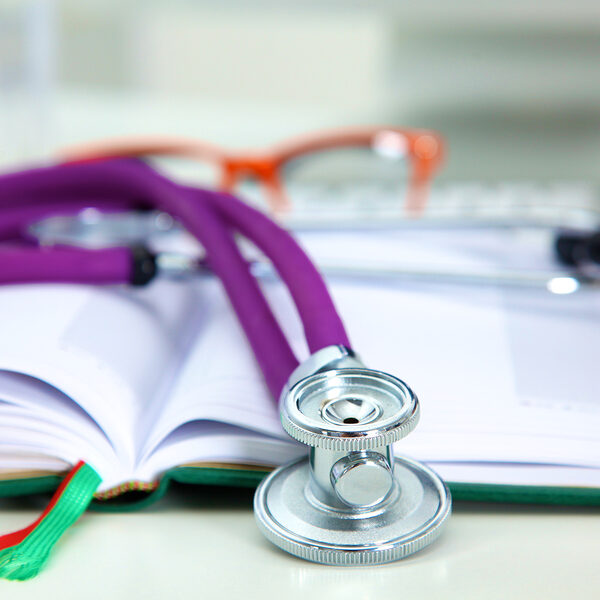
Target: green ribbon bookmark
(24, 553)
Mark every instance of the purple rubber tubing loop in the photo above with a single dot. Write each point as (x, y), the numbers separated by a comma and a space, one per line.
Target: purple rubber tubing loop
(28, 264)
(270, 346)
(322, 325)
(321, 322)
(65, 184)
(137, 183)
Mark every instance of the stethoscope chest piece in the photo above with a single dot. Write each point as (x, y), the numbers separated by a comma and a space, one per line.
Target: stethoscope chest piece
(351, 502)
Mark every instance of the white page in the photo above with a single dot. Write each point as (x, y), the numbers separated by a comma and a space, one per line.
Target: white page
(202, 441)
(452, 350)
(502, 362)
(48, 404)
(476, 356)
(110, 349)
(511, 474)
(219, 380)
(34, 414)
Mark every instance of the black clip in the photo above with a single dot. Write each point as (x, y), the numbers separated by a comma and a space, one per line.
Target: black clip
(144, 265)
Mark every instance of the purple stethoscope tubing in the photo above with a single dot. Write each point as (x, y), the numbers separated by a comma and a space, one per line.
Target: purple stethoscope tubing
(126, 184)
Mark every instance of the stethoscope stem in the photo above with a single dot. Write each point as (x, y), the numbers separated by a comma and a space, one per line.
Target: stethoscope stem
(556, 282)
(180, 265)
(577, 253)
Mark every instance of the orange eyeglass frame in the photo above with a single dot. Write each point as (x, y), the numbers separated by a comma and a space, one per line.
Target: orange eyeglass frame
(424, 150)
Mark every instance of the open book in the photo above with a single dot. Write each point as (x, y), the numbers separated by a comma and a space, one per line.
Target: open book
(138, 381)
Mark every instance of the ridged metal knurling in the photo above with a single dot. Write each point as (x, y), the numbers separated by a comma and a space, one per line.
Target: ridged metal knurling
(412, 519)
(340, 441)
(372, 556)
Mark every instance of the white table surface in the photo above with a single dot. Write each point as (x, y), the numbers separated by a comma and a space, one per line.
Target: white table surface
(203, 543)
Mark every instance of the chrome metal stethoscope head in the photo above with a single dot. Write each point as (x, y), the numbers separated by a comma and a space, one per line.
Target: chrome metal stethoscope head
(350, 501)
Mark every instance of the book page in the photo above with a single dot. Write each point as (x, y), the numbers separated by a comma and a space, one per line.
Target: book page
(219, 379)
(36, 415)
(109, 349)
(504, 375)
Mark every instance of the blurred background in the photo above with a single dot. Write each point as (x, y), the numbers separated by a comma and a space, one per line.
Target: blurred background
(514, 85)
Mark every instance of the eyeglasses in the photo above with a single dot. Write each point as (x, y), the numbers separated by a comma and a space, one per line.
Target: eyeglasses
(342, 177)
(322, 160)
(314, 166)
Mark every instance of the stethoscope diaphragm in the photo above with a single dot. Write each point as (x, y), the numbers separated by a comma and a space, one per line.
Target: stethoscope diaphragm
(350, 501)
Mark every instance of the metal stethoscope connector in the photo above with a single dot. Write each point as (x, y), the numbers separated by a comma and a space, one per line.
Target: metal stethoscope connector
(350, 501)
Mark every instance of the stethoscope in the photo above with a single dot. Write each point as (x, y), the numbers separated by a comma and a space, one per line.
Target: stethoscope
(350, 500)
